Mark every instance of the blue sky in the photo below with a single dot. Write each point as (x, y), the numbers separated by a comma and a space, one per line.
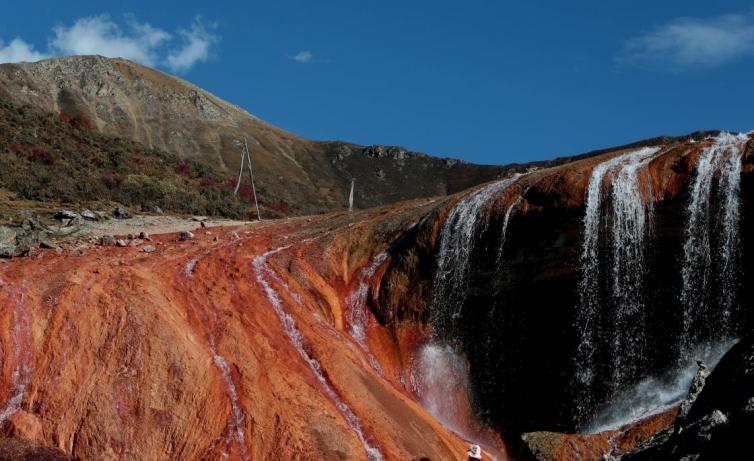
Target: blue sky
(487, 81)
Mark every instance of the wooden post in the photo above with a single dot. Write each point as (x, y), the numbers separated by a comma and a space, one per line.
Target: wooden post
(251, 174)
(350, 196)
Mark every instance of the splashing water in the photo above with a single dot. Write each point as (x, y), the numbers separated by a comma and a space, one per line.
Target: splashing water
(439, 379)
(628, 231)
(699, 318)
(454, 254)
(296, 338)
(656, 394)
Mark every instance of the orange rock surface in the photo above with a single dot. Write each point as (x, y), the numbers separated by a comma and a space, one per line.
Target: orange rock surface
(243, 347)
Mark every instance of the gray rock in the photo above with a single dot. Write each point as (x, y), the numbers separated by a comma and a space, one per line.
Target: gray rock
(154, 209)
(144, 236)
(121, 213)
(702, 373)
(89, 215)
(121, 243)
(704, 427)
(186, 235)
(107, 240)
(7, 235)
(148, 249)
(48, 244)
(63, 215)
(749, 408)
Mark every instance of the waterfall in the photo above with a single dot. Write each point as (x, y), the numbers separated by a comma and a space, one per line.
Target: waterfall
(704, 261)
(262, 272)
(629, 227)
(439, 379)
(504, 230)
(454, 255)
(358, 317)
(628, 231)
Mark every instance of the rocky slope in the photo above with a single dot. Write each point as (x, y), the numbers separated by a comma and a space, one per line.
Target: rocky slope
(718, 421)
(345, 336)
(124, 99)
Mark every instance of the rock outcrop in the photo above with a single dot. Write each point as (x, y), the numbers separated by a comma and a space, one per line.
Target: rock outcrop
(318, 338)
(720, 419)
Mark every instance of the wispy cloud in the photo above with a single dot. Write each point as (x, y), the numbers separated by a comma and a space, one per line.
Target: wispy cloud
(198, 43)
(304, 56)
(19, 51)
(692, 42)
(138, 41)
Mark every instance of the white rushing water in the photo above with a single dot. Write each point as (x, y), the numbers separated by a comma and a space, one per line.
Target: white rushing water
(628, 231)
(454, 254)
(504, 229)
(263, 275)
(722, 160)
(655, 394)
(439, 379)
(358, 318)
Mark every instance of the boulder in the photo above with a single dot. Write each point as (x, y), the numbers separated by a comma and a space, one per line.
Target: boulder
(719, 422)
(186, 235)
(63, 215)
(121, 243)
(89, 215)
(144, 236)
(121, 213)
(148, 249)
(107, 240)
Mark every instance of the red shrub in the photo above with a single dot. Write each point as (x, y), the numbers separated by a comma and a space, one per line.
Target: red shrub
(112, 179)
(183, 170)
(41, 155)
(280, 206)
(63, 117)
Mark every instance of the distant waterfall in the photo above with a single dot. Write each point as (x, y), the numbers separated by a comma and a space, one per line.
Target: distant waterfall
(457, 240)
(628, 230)
(708, 257)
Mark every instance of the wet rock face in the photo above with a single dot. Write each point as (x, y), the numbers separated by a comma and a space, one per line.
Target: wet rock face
(518, 322)
(719, 422)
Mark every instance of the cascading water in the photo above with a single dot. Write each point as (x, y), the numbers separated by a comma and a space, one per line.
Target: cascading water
(504, 229)
(629, 226)
(454, 255)
(358, 318)
(262, 272)
(702, 258)
(654, 394)
(439, 373)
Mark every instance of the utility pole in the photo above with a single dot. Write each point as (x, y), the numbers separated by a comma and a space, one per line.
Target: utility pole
(245, 154)
(350, 196)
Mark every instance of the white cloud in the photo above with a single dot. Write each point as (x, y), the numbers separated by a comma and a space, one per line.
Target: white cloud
(198, 42)
(19, 51)
(693, 42)
(303, 56)
(100, 35)
(137, 41)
